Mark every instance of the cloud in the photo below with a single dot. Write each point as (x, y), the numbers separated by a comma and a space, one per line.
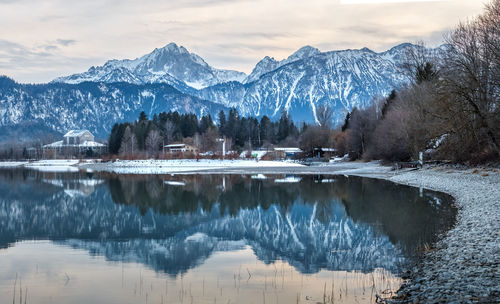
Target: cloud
(45, 39)
(65, 42)
(38, 64)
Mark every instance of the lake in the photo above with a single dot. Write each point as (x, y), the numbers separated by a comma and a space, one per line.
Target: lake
(107, 238)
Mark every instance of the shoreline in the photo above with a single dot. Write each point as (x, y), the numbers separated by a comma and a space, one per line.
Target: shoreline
(461, 267)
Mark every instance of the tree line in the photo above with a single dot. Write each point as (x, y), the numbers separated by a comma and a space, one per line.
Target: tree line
(151, 135)
(450, 110)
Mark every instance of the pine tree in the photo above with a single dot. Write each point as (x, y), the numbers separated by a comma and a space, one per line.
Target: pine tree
(283, 126)
(222, 123)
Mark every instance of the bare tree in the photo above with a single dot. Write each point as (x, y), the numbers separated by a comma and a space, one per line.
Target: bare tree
(419, 64)
(153, 141)
(129, 142)
(169, 129)
(472, 74)
(209, 140)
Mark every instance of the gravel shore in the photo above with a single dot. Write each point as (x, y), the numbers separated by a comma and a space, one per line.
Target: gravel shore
(463, 267)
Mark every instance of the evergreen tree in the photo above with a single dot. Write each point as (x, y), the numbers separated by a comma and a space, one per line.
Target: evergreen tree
(206, 122)
(115, 138)
(222, 123)
(388, 101)
(266, 129)
(283, 126)
(232, 123)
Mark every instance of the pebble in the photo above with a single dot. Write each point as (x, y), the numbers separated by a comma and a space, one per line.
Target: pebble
(464, 267)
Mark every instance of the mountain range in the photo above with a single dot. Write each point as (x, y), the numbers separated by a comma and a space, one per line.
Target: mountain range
(172, 78)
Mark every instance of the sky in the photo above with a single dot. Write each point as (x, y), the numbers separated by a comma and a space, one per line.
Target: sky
(43, 39)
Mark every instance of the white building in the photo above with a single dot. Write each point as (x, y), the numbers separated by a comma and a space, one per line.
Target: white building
(181, 148)
(76, 142)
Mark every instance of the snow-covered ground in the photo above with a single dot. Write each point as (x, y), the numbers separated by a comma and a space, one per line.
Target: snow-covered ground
(54, 165)
(12, 164)
(47, 165)
(184, 165)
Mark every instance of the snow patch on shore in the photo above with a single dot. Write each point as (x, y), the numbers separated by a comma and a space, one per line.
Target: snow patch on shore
(184, 165)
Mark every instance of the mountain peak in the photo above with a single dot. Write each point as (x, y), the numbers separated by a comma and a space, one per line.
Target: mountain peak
(172, 64)
(401, 46)
(172, 47)
(303, 52)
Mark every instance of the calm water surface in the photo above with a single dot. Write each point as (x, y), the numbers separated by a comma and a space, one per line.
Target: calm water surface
(102, 238)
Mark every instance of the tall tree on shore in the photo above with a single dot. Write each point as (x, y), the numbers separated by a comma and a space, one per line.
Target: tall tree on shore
(472, 79)
(115, 138)
(153, 141)
(129, 142)
(222, 123)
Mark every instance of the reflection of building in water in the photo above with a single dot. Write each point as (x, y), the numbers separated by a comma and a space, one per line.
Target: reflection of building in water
(76, 187)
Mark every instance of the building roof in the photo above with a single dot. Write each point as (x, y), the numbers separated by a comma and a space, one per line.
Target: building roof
(175, 146)
(72, 133)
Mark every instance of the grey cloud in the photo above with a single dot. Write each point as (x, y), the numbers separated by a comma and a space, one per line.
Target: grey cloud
(51, 47)
(27, 64)
(65, 42)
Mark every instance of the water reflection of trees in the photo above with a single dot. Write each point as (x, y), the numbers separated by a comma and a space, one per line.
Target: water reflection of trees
(409, 217)
(406, 215)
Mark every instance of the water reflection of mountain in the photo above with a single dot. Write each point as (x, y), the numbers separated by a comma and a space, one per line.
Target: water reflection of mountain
(350, 224)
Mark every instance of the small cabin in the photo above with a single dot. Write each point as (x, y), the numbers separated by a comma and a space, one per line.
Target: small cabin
(287, 152)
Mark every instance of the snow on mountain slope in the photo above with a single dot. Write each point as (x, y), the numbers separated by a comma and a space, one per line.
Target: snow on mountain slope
(299, 84)
(92, 105)
(270, 64)
(171, 64)
(342, 79)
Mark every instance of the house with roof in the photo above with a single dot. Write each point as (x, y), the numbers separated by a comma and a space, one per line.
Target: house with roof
(181, 148)
(287, 152)
(76, 142)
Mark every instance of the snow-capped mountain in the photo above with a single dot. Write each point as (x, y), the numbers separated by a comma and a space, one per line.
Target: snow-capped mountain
(171, 64)
(119, 89)
(91, 105)
(308, 78)
(270, 64)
